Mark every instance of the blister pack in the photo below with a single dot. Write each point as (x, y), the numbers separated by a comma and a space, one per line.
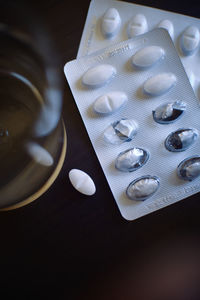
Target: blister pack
(142, 117)
(111, 21)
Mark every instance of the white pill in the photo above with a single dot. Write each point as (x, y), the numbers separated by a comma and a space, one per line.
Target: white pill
(82, 182)
(98, 76)
(190, 40)
(168, 25)
(137, 25)
(159, 84)
(110, 22)
(110, 102)
(147, 56)
(39, 154)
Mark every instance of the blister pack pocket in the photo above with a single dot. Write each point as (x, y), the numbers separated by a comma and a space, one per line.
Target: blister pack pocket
(130, 19)
(122, 108)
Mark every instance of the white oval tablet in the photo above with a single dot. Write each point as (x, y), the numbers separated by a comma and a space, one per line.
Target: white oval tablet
(110, 102)
(147, 56)
(98, 76)
(168, 25)
(190, 40)
(137, 25)
(39, 154)
(82, 182)
(159, 84)
(110, 22)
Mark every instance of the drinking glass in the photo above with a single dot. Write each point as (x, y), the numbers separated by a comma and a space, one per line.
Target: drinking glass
(32, 133)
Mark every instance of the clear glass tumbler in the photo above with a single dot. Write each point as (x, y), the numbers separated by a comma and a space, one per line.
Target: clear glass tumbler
(32, 134)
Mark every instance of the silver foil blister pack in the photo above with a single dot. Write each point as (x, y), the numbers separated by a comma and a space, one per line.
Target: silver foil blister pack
(179, 27)
(148, 92)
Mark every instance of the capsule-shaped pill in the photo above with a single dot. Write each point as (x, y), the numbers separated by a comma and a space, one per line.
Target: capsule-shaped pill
(110, 22)
(167, 25)
(110, 102)
(98, 76)
(143, 188)
(39, 154)
(82, 182)
(189, 168)
(159, 84)
(137, 25)
(147, 56)
(189, 40)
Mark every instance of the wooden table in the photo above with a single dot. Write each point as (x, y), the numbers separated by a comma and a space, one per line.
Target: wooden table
(69, 246)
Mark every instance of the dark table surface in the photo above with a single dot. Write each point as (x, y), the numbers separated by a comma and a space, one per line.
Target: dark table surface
(69, 246)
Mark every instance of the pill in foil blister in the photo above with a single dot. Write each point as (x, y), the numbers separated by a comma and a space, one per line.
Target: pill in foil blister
(168, 25)
(98, 76)
(137, 25)
(189, 40)
(147, 56)
(110, 22)
(110, 102)
(142, 120)
(136, 20)
(159, 84)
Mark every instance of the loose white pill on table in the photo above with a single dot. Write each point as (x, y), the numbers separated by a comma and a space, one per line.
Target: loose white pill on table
(189, 40)
(159, 84)
(168, 25)
(110, 102)
(137, 25)
(147, 56)
(39, 154)
(82, 182)
(98, 76)
(110, 22)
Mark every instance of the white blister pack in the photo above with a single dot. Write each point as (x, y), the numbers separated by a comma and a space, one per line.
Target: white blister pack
(132, 99)
(124, 20)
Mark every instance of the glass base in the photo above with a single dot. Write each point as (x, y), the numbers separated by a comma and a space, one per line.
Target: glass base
(48, 183)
